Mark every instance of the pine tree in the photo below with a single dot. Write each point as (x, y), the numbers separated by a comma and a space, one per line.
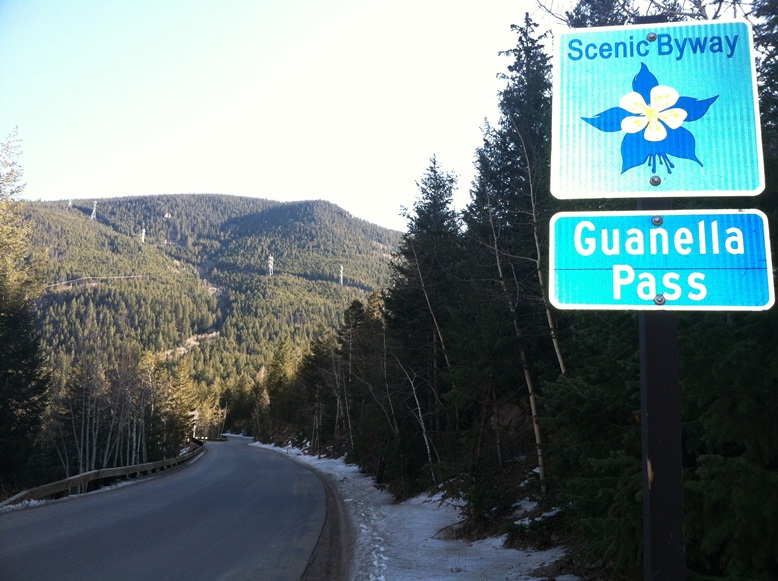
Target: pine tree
(587, 13)
(589, 413)
(730, 396)
(506, 236)
(283, 403)
(419, 300)
(766, 39)
(22, 379)
(178, 405)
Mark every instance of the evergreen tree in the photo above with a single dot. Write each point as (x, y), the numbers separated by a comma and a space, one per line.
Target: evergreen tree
(730, 397)
(283, 403)
(326, 413)
(587, 13)
(22, 377)
(510, 201)
(418, 303)
(591, 412)
(177, 409)
(22, 390)
(766, 40)
(506, 237)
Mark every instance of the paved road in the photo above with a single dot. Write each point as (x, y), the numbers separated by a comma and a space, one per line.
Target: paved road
(237, 513)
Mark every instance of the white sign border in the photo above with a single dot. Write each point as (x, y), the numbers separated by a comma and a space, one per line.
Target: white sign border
(556, 154)
(650, 305)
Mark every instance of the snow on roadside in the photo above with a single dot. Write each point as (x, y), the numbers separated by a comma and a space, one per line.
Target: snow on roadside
(405, 541)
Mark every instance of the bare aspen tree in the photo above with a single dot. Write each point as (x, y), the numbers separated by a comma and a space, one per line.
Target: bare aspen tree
(538, 259)
(419, 416)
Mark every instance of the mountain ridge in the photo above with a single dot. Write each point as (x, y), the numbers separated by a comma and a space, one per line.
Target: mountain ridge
(156, 270)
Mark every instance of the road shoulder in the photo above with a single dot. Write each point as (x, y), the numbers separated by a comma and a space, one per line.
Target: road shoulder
(331, 559)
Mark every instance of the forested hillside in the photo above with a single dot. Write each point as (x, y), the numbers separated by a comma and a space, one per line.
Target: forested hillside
(132, 290)
(163, 270)
(155, 313)
(161, 317)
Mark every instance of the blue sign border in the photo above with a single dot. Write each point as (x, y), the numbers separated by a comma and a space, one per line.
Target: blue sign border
(712, 268)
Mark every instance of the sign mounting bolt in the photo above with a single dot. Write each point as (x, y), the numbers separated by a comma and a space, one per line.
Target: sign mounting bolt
(651, 37)
(657, 220)
(659, 300)
(655, 180)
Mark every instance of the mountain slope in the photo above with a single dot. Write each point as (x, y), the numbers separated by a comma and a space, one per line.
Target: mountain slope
(101, 280)
(158, 270)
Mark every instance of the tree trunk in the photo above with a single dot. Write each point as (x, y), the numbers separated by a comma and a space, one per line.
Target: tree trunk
(551, 319)
(522, 354)
(419, 415)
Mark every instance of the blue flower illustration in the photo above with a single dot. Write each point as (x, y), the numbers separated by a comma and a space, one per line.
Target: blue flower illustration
(652, 118)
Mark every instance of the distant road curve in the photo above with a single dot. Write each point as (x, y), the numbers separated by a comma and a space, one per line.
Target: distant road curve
(238, 513)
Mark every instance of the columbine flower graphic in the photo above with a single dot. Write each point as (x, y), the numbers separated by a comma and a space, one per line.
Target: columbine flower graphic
(652, 118)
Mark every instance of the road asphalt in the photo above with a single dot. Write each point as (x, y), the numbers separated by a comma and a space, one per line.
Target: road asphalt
(237, 513)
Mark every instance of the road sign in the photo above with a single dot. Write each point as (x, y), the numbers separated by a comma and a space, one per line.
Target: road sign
(706, 260)
(660, 110)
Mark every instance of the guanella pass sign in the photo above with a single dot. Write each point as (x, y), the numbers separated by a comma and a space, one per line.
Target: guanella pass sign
(659, 110)
(682, 260)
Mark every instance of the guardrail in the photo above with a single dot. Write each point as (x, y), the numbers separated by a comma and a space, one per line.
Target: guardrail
(95, 478)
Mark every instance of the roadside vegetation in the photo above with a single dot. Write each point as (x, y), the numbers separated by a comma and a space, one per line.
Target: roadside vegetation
(435, 363)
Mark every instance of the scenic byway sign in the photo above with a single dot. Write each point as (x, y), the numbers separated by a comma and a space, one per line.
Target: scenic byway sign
(660, 110)
(683, 260)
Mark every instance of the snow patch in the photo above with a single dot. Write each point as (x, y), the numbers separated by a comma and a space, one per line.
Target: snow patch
(405, 541)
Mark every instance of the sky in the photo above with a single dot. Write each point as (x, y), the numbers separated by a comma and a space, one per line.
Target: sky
(342, 100)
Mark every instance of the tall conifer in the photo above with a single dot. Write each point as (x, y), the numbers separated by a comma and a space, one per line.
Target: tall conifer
(22, 378)
(419, 300)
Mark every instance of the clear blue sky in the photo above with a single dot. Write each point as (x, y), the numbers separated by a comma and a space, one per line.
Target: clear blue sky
(343, 100)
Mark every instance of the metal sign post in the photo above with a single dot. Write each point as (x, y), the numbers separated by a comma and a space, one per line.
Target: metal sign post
(660, 404)
(664, 549)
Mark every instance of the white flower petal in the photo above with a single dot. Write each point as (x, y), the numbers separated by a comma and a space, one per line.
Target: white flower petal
(633, 102)
(633, 124)
(663, 97)
(655, 131)
(673, 118)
